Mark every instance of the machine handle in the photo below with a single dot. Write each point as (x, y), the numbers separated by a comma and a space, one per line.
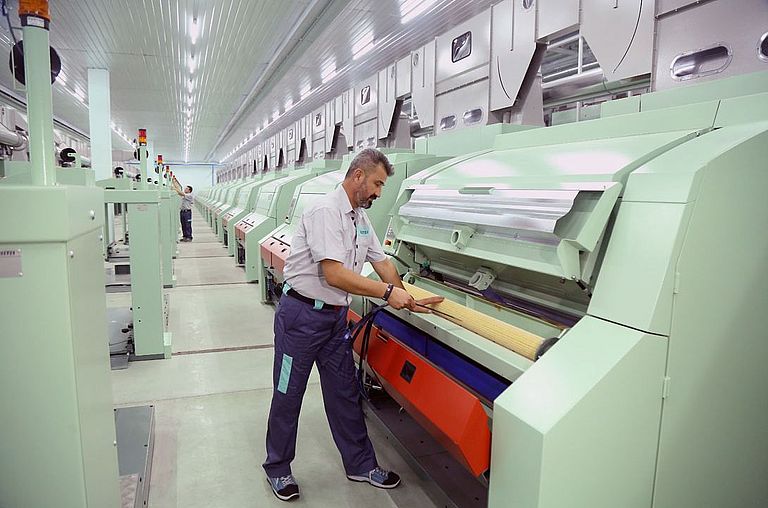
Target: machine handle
(476, 190)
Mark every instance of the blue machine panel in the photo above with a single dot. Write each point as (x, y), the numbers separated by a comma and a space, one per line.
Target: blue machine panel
(468, 372)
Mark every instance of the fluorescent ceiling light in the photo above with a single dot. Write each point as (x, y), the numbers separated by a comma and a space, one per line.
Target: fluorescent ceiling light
(410, 9)
(363, 45)
(328, 74)
(190, 85)
(305, 91)
(288, 103)
(191, 63)
(62, 77)
(328, 70)
(189, 100)
(194, 30)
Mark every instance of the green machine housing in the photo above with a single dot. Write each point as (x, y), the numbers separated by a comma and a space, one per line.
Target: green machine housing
(270, 208)
(230, 197)
(242, 196)
(273, 245)
(638, 240)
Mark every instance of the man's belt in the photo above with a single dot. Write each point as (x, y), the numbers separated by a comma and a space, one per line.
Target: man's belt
(316, 304)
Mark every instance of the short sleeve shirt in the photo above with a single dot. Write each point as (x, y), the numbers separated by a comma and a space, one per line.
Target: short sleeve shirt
(330, 229)
(187, 201)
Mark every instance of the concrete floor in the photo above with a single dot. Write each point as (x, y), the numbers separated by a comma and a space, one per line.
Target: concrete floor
(212, 405)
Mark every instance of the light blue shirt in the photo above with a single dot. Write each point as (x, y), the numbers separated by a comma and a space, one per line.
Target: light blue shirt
(330, 229)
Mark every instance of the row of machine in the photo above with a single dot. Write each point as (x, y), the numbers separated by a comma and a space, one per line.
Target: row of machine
(63, 443)
(140, 258)
(601, 340)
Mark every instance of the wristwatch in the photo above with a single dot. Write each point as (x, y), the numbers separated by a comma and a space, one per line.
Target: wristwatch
(388, 292)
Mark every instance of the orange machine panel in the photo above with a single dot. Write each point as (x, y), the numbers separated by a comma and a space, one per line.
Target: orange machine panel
(452, 414)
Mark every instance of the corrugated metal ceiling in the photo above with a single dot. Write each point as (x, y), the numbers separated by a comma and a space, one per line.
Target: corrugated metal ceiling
(146, 46)
(392, 39)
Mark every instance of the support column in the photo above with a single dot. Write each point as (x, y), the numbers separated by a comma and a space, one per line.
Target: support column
(100, 119)
(39, 104)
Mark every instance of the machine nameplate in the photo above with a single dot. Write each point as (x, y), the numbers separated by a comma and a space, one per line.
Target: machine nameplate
(10, 263)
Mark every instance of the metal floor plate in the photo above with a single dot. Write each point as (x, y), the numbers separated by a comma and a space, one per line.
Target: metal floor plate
(129, 486)
(135, 429)
(454, 486)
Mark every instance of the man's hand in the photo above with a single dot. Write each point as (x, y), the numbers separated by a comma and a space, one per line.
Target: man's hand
(400, 299)
(425, 301)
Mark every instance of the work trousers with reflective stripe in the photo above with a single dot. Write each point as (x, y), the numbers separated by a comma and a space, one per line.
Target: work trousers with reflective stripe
(305, 336)
(186, 223)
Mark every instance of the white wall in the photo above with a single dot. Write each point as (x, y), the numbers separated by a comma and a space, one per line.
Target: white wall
(197, 175)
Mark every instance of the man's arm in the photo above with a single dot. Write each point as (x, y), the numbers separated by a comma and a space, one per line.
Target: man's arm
(347, 280)
(387, 272)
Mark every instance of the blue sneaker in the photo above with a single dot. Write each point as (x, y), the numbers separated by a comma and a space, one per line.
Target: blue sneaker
(284, 487)
(378, 477)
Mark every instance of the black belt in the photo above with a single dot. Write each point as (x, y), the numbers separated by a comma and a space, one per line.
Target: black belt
(311, 301)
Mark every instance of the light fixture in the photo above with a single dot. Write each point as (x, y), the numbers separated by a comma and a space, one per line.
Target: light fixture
(288, 103)
(191, 63)
(190, 85)
(328, 71)
(62, 78)
(362, 45)
(194, 30)
(305, 91)
(189, 100)
(410, 9)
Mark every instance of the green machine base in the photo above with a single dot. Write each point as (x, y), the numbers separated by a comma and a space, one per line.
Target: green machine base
(58, 450)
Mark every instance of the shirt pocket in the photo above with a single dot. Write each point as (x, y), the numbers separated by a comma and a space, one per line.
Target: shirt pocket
(364, 243)
(348, 239)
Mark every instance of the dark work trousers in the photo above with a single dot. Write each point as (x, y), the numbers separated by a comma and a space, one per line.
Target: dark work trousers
(304, 336)
(186, 223)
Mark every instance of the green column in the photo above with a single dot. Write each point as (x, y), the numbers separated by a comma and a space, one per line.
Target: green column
(39, 105)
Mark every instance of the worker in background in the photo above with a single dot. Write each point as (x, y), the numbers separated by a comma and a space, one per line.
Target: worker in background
(333, 240)
(185, 214)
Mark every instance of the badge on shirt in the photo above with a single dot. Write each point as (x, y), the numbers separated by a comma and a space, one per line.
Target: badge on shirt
(363, 230)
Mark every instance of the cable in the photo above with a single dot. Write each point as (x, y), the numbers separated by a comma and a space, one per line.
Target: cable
(366, 325)
(8, 19)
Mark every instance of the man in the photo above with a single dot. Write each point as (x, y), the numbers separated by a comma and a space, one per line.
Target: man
(333, 240)
(187, 200)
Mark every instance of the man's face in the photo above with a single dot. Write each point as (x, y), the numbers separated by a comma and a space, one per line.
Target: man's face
(368, 187)
(187, 190)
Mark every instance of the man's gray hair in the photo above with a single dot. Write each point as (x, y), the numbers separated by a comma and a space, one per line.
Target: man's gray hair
(368, 160)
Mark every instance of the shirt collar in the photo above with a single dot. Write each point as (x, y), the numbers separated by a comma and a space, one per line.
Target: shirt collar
(342, 200)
